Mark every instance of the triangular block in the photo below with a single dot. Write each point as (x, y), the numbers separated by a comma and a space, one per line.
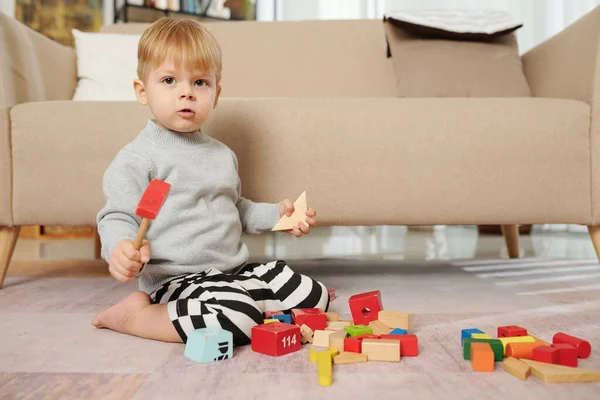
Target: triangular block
(299, 215)
(552, 373)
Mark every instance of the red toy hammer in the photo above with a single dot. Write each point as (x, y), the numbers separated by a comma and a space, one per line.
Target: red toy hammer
(149, 205)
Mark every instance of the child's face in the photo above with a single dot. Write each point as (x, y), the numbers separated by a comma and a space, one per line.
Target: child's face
(181, 100)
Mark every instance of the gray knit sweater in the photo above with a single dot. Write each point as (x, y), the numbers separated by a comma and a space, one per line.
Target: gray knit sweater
(202, 219)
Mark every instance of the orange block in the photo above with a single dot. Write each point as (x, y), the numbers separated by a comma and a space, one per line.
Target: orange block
(522, 350)
(482, 357)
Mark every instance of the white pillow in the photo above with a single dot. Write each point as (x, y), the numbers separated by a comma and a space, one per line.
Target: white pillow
(106, 66)
(487, 22)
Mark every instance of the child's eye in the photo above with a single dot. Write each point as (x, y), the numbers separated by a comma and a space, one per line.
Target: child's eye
(168, 81)
(201, 82)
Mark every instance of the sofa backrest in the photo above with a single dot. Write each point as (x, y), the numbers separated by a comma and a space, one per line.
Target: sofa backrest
(299, 58)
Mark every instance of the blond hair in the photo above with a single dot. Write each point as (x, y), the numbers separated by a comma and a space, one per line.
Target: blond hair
(184, 41)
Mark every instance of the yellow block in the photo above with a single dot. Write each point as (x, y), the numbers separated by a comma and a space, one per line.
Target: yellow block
(324, 362)
(515, 339)
(480, 336)
(312, 353)
(268, 321)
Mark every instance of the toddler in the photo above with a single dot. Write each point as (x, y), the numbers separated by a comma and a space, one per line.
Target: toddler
(192, 269)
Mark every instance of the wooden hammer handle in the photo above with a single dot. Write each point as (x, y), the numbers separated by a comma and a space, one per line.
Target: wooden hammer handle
(141, 233)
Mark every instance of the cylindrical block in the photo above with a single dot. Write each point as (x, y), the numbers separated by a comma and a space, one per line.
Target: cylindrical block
(522, 350)
(583, 347)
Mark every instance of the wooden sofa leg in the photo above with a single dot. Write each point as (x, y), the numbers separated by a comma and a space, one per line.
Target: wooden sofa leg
(595, 235)
(97, 245)
(511, 237)
(8, 241)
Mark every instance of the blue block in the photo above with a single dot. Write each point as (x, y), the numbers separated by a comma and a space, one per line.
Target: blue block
(208, 345)
(466, 334)
(286, 318)
(398, 331)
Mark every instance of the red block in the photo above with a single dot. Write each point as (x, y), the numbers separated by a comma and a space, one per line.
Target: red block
(546, 354)
(153, 199)
(409, 344)
(511, 331)
(332, 295)
(314, 318)
(365, 307)
(354, 344)
(567, 354)
(276, 338)
(584, 348)
(270, 313)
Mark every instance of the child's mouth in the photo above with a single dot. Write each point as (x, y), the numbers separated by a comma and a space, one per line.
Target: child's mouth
(185, 113)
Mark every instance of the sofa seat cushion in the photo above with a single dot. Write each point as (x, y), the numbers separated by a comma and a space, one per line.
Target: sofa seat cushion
(362, 161)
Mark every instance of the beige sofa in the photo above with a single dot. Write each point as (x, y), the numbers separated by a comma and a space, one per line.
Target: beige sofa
(312, 106)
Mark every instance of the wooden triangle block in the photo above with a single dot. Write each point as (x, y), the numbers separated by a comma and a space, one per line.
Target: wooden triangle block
(299, 215)
(516, 367)
(350, 358)
(552, 373)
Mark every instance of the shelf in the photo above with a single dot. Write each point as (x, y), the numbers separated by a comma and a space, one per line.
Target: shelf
(122, 13)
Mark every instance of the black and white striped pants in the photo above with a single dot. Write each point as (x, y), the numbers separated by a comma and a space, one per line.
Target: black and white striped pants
(236, 302)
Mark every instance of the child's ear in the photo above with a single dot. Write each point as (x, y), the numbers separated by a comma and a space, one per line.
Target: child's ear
(140, 91)
(217, 97)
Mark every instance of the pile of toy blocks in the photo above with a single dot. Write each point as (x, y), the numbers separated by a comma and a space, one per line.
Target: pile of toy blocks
(523, 354)
(373, 334)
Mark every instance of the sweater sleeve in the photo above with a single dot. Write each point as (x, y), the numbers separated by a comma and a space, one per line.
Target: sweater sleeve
(124, 183)
(256, 217)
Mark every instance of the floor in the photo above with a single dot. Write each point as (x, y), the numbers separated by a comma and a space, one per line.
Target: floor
(450, 277)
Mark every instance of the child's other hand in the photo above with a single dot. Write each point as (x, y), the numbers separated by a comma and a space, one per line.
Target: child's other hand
(126, 262)
(286, 207)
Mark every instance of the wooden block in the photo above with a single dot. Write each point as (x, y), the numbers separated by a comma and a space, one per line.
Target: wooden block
(299, 215)
(379, 328)
(365, 307)
(517, 368)
(336, 340)
(567, 354)
(467, 333)
(307, 334)
(321, 338)
(545, 354)
(496, 345)
(275, 339)
(482, 357)
(480, 336)
(337, 325)
(516, 339)
(397, 319)
(357, 330)
(312, 353)
(409, 344)
(315, 318)
(349, 358)
(209, 344)
(583, 347)
(522, 350)
(270, 320)
(551, 373)
(332, 316)
(511, 331)
(324, 368)
(381, 349)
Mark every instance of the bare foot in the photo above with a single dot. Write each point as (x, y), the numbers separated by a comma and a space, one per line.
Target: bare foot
(119, 316)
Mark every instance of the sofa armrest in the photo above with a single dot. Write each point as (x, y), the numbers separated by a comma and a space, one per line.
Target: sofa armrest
(568, 64)
(32, 68)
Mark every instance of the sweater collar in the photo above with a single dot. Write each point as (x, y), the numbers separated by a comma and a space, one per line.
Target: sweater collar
(167, 138)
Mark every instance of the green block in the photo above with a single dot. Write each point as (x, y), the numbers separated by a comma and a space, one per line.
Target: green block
(357, 330)
(494, 343)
